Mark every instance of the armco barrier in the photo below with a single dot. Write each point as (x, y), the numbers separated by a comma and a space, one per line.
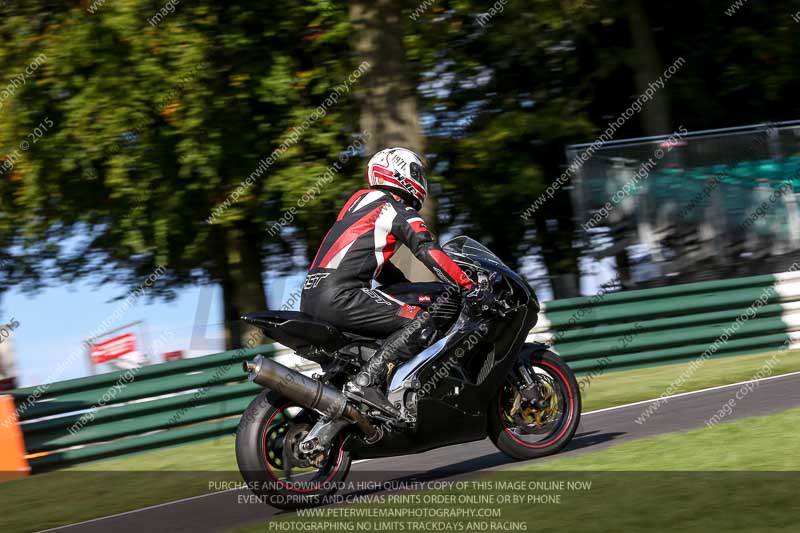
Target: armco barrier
(668, 324)
(121, 412)
(172, 403)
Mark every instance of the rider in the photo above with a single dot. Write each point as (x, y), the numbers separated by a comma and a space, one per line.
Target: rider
(356, 251)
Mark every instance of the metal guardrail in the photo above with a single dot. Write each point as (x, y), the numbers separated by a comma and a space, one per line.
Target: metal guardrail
(173, 403)
(668, 324)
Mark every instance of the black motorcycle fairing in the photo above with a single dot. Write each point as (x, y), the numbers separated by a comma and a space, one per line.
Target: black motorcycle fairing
(456, 407)
(466, 370)
(474, 257)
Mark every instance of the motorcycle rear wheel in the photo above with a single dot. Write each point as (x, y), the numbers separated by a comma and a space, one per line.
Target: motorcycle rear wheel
(265, 457)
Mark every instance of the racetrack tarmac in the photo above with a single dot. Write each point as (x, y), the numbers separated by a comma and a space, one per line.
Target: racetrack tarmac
(598, 429)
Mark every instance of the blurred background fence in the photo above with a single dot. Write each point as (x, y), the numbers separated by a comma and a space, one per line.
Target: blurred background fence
(719, 203)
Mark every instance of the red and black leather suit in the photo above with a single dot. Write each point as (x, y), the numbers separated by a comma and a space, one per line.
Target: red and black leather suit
(339, 287)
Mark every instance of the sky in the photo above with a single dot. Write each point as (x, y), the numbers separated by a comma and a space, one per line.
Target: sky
(54, 322)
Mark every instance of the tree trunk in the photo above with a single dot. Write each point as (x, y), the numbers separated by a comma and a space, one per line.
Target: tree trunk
(656, 117)
(242, 287)
(559, 258)
(8, 360)
(388, 89)
(389, 97)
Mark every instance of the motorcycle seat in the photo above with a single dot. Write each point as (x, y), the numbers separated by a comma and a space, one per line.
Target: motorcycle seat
(300, 331)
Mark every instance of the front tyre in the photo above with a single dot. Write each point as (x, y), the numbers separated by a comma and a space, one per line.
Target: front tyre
(269, 459)
(538, 408)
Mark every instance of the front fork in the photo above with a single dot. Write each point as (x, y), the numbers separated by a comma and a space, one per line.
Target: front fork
(528, 384)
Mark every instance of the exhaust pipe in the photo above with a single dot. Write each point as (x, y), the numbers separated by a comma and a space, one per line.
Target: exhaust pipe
(307, 392)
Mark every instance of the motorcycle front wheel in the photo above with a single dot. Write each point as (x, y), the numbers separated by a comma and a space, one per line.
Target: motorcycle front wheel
(539, 417)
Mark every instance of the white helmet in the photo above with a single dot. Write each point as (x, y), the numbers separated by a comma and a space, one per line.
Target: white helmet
(400, 171)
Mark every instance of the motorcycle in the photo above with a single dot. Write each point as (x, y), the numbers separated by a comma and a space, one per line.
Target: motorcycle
(297, 439)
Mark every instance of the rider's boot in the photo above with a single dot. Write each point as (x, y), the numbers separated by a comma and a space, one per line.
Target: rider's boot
(400, 346)
(368, 382)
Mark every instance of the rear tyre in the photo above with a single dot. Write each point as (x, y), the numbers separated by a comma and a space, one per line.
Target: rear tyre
(266, 452)
(527, 430)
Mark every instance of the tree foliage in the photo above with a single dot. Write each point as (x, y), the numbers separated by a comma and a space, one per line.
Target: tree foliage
(156, 127)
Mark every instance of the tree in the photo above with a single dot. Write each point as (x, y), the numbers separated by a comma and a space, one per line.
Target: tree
(647, 66)
(189, 142)
(503, 94)
(177, 144)
(388, 97)
(740, 69)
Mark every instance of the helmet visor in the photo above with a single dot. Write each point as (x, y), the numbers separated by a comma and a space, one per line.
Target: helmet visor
(418, 175)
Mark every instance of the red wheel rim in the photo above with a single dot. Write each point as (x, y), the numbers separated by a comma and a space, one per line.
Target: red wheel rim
(566, 424)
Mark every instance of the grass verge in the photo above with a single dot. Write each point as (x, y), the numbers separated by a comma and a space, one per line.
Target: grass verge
(113, 486)
(761, 443)
(619, 388)
(169, 474)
